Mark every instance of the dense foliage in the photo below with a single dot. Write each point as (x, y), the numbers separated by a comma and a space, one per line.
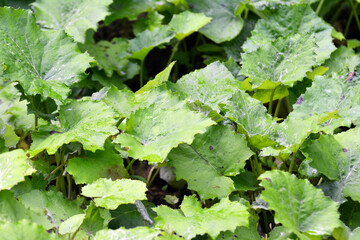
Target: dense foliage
(179, 119)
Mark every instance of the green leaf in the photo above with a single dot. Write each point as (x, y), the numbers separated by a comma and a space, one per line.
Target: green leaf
(342, 58)
(51, 204)
(251, 116)
(298, 205)
(290, 21)
(143, 233)
(73, 16)
(45, 64)
(152, 132)
(95, 219)
(89, 123)
(338, 158)
(24, 230)
(109, 55)
(128, 216)
(212, 85)
(13, 168)
(272, 4)
(225, 25)
(110, 194)
(105, 163)
(71, 224)
(191, 220)
(209, 159)
(10, 208)
(234, 48)
(336, 95)
(150, 22)
(128, 9)
(264, 95)
(186, 23)
(284, 60)
(147, 40)
(159, 79)
(248, 233)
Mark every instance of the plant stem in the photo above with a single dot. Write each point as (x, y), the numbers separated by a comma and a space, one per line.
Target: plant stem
(278, 107)
(271, 101)
(36, 122)
(319, 7)
(355, 14)
(142, 72)
(292, 161)
(68, 177)
(246, 13)
(154, 176)
(129, 166)
(174, 50)
(53, 171)
(348, 23)
(267, 230)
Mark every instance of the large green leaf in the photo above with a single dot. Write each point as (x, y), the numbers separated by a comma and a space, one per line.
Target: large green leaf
(73, 16)
(272, 4)
(298, 205)
(129, 9)
(150, 21)
(290, 21)
(13, 168)
(209, 159)
(89, 123)
(105, 163)
(110, 56)
(10, 208)
(336, 94)
(51, 205)
(251, 117)
(110, 194)
(282, 60)
(128, 216)
(225, 24)
(342, 58)
(71, 224)
(191, 219)
(159, 79)
(24, 229)
(144, 42)
(186, 23)
(338, 158)
(152, 132)
(95, 219)
(143, 233)
(45, 64)
(212, 85)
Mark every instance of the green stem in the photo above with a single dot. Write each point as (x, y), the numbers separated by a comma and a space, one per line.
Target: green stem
(154, 176)
(246, 13)
(271, 101)
(348, 24)
(36, 122)
(129, 166)
(74, 234)
(352, 212)
(319, 7)
(142, 72)
(54, 171)
(141, 168)
(287, 104)
(277, 107)
(267, 230)
(174, 50)
(292, 161)
(355, 14)
(69, 182)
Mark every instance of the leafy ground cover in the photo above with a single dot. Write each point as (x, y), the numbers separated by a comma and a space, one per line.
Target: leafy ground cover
(179, 119)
